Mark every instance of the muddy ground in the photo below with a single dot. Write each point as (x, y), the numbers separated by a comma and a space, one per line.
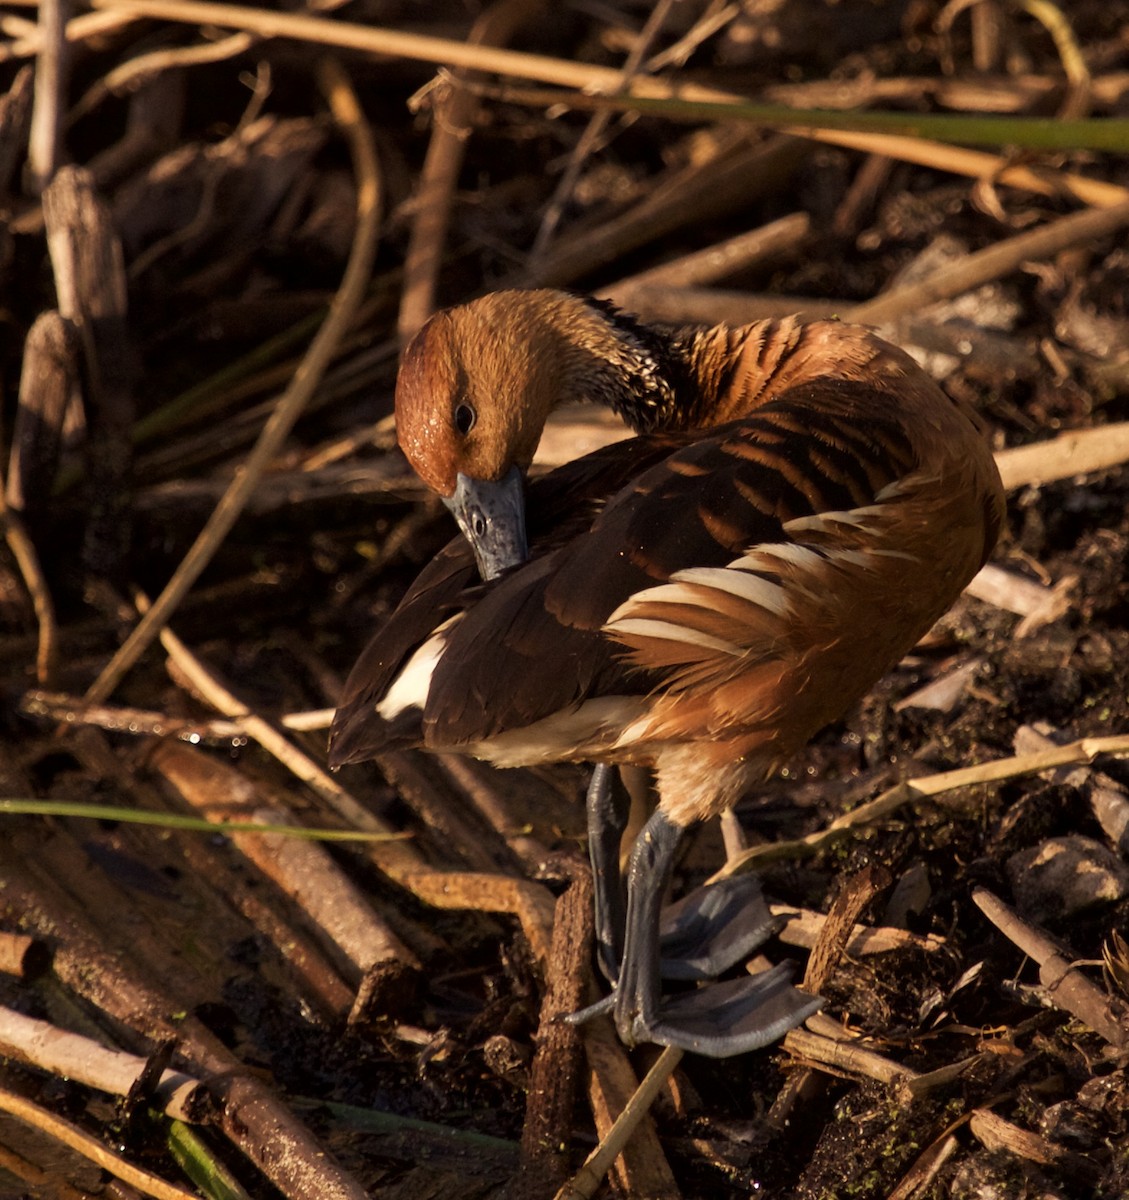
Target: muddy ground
(191, 260)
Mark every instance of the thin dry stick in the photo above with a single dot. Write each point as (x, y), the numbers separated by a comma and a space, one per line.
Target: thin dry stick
(1085, 750)
(90, 1148)
(72, 1056)
(1067, 987)
(845, 1057)
(592, 79)
(714, 19)
(939, 156)
(976, 164)
(23, 551)
(50, 85)
(719, 260)
(347, 113)
(1054, 20)
(144, 722)
(398, 44)
(295, 760)
(594, 130)
(991, 263)
(584, 1183)
(138, 71)
(80, 29)
(452, 123)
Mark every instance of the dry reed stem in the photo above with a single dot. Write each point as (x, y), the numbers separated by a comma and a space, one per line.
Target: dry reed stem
(802, 927)
(584, 1183)
(44, 151)
(594, 130)
(90, 1148)
(305, 871)
(1076, 453)
(83, 1060)
(1084, 750)
(846, 1058)
(138, 71)
(701, 267)
(82, 28)
(27, 559)
(976, 164)
(452, 123)
(1067, 988)
(591, 79)
(1054, 20)
(347, 113)
(986, 265)
(147, 722)
(319, 781)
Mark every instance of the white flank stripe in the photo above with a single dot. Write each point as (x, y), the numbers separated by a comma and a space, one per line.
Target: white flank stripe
(852, 558)
(737, 582)
(856, 519)
(661, 593)
(764, 557)
(669, 631)
(409, 689)
(907, 483)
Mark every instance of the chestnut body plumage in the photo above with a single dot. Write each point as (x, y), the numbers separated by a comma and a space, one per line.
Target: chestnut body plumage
(801, 504)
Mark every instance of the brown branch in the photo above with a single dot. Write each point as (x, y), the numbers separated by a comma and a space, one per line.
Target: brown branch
(1066, 986)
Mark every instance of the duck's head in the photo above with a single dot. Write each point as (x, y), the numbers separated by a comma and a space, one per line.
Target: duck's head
(476, 385)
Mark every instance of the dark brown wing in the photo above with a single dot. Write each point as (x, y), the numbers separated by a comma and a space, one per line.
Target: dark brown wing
(561, 504)
(532, 644)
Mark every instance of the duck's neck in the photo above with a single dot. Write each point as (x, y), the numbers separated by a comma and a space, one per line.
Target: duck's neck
(634, 369)
(660, 379)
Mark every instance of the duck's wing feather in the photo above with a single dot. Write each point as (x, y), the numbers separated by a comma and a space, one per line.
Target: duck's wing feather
(561, 503)
(563, 630)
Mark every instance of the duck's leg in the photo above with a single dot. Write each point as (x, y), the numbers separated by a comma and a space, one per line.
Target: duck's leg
(608, 809)
(703, 934)
(717, 1020)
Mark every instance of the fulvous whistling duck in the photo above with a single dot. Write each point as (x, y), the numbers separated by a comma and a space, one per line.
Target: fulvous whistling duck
(801, 503)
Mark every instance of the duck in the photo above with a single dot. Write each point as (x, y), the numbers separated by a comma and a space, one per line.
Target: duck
(799, 503)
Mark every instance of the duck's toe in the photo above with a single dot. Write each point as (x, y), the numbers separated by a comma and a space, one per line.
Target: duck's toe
(723, 1019)
(713, 928)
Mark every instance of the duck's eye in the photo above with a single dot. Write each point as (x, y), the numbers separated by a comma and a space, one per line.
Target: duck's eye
(465, 417)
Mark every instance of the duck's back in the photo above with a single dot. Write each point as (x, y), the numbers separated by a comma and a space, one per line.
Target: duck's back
(741, 581)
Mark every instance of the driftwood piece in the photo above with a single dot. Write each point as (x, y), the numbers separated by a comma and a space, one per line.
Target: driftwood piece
(554, 1075)
(44, 151)
(139, 1011)
(352, 932)
(49, 390)
(15, 121)
(1066, 986)
(86, 257)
